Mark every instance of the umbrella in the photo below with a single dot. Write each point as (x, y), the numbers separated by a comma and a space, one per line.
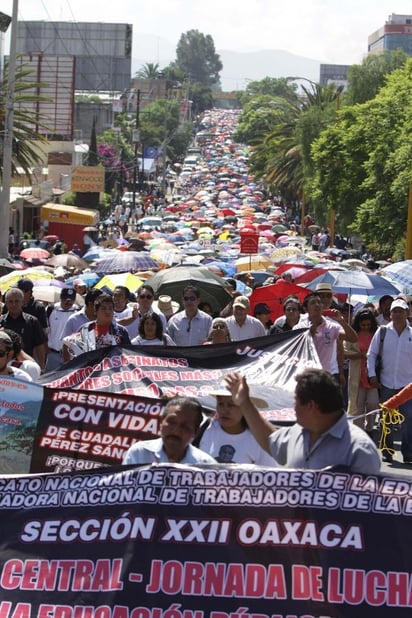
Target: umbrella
(67, 260)
(401, 273)
(34, 253)
(275, 295)
(11, 279)
(128, 261)
(6, 266)
(126, 279)
(252, 262)
(213, 289)
(96, 252)
(51, 294)
(279, 228)
(355, 282)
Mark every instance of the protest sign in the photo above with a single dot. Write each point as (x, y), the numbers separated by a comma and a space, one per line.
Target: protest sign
(221, 541)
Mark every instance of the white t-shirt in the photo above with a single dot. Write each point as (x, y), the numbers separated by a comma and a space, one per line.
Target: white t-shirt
(27, 366)
(234, 448)
(142, 341)
(20, 374)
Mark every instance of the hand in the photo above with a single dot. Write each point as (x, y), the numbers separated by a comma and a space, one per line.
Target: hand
(374, 382)
(335, 314)
(238, 387)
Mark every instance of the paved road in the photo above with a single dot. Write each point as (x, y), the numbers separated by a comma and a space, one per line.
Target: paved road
(397, 466)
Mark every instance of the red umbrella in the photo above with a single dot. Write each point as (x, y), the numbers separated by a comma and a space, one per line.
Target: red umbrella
(34, 253)
(275, 295)
(309, 275)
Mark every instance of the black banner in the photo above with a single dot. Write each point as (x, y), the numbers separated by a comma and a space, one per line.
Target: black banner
(93, 409)
(173, 541)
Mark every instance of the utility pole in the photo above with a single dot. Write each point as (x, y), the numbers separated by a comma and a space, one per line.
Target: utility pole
(8, 139)
(136, 139)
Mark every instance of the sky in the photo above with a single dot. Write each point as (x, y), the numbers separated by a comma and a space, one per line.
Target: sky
(334, 31)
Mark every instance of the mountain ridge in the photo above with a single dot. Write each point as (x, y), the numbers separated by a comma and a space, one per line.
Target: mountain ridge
(239, 67)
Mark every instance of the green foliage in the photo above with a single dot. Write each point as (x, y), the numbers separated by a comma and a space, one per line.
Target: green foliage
(363, 165)
(366, 79)
(270, 86)
(69, 198)
(282, 129)
(149, 70)
(196, 57)
(88, 98)
(26, 120)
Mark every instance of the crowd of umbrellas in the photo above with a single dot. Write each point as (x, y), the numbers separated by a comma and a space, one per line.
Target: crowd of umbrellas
(195, 237)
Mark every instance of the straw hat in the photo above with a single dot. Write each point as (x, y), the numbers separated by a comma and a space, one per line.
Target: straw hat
(166, 305)
(222, 391)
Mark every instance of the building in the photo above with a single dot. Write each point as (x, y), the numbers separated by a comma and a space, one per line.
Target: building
(395, 34)
(102, 51)
(336, 74)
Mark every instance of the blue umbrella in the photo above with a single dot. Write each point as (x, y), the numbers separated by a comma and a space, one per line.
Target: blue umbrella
(355, 282)
(400, 273)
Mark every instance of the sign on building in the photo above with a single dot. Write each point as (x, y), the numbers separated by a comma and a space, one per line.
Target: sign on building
(87, 179)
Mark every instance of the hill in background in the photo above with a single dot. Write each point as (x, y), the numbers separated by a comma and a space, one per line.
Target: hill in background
(239, 68)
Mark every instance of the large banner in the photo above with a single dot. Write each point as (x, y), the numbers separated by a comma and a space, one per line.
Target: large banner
(223, 541)
(88, 413)
(270, 364)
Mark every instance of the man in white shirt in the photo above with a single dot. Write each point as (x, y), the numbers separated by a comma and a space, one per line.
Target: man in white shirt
(180, 423)
(396, 372)
(145, 306)
(241, 325)
(57, 317)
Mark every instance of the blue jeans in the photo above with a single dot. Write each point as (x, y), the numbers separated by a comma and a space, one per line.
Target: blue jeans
(406, 427)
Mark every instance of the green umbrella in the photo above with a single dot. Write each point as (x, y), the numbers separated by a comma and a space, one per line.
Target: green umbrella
(279, 228)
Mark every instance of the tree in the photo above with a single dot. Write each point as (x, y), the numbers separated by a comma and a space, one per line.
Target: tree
(366, 79)
(283, 155)
(26, 137)
(259, 115)
(270, 86)
(149, 70)
(197, 59)
(363, 164)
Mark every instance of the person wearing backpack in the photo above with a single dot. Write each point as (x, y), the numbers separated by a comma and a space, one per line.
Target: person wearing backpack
(395, 351)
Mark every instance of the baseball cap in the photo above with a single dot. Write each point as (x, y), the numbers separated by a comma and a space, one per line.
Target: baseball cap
(80, 282)
(4, 338)
(242, 301)
(323, 287)
(68, 294)
(399, 303)
(261, 308)
(25, 285)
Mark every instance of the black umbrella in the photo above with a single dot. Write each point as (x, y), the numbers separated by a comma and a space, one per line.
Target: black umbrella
(213, 289)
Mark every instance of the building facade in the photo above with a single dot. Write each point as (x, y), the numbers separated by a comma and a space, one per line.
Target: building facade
(102, 51)
(395, 34)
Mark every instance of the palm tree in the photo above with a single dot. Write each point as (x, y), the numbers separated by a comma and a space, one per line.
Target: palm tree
(283, 155)
(26, 122)
(149, 70)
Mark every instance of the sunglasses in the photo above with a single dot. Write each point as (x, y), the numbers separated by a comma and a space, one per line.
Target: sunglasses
(3, 353)
(219, 326)
(324, 294)
(189, 298)
(147, 296)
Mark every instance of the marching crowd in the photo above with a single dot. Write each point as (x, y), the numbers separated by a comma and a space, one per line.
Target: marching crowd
(335, 405)
(35, 338)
